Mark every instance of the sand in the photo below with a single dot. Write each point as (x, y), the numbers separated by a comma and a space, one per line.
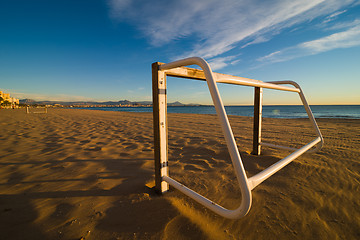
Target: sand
(84, 174)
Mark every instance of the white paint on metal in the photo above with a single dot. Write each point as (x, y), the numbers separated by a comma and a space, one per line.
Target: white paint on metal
(163, 131)
(36, 109)
(246, 184)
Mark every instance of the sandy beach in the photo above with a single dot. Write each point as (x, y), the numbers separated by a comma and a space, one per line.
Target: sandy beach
(85, 174)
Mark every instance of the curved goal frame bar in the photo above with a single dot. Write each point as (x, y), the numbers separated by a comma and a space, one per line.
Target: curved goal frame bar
(177, 69)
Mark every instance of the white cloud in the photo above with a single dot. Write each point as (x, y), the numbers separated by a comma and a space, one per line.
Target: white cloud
(258, 39)
(219, 26)
(334, 16)
(344, 39)
(220, 62)
(343, 25)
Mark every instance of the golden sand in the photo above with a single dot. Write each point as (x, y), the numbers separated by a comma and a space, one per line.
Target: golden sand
(72, 174)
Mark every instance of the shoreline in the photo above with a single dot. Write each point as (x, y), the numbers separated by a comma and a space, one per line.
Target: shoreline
(211, 114)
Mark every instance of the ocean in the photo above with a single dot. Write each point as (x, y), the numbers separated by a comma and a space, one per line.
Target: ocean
(278, 111)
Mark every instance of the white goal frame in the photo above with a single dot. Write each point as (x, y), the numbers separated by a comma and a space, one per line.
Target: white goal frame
(177, 69)
(37, 110)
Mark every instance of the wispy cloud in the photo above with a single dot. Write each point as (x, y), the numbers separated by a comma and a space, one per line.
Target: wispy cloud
(333, 16)
(343, 25)
(344, 39)
(221, 62)
(220, 26)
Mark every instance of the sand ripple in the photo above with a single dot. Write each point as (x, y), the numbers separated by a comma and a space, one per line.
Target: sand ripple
(79, 173)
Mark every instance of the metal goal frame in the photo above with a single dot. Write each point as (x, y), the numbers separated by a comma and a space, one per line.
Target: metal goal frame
(177, 69)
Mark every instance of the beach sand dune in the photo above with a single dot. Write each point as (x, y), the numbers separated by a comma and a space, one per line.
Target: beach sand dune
(72, 174)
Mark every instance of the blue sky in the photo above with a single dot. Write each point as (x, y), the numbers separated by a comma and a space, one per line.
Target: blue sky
(100, 50)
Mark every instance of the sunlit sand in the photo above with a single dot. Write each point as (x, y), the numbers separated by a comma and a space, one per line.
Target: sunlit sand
(72, 174)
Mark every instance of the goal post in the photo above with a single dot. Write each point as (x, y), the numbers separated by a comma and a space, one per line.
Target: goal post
(160, 128)
(177, 69)
(36, 109)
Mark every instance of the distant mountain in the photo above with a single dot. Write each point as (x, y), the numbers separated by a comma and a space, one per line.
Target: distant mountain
(32, 102)
(27, 101)
(176, 104)
(108, 103)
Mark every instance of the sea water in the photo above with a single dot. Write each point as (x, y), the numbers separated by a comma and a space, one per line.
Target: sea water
(278, 111)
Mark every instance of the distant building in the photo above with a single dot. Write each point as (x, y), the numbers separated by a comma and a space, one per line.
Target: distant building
(14, 100)
(6, 97)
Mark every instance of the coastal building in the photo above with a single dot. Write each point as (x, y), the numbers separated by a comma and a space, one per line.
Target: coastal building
(14, 100)
(5, 97)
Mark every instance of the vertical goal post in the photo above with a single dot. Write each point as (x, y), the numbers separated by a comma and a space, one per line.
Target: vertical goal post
(177, 69)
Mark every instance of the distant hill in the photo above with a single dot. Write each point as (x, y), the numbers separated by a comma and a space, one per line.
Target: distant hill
(79, 103)
(108, 103)
(27, 101)
(174, 104)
